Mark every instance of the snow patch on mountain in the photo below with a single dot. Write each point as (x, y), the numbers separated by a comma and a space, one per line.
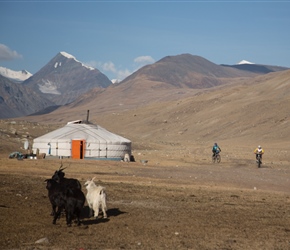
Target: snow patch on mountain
(245, 62)
(48, 87)
(115, 81)
(57, 64)
(67, 55)
(18, 76)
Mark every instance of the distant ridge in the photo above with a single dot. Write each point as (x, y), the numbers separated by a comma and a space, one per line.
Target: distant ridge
(256, 68)
(188, 71)
(171, 78)
(65, 85)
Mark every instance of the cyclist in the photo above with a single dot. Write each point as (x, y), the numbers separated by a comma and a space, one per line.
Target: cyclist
(259, 151)
(216, 149)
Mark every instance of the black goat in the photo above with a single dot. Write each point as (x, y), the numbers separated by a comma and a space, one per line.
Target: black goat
(58, 176)
(68, 198)
(74, 205)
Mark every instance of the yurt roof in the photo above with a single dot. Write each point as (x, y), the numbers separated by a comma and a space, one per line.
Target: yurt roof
(88, 132)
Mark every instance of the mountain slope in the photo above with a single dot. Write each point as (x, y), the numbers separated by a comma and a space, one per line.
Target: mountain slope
(64, 79)
(18, 100)
(250, 112)
(256, 68)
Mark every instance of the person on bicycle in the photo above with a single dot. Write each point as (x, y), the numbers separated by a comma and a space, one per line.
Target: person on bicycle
(216, 149)
(259, 151)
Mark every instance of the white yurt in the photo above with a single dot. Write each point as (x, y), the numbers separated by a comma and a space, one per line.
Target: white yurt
(80, 140)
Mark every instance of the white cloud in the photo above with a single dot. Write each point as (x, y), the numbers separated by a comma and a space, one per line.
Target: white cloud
(122, 74)
(6, 54)
(141, 61)
(109, 66)
(118, 73)
(93, 64)
(144, 60)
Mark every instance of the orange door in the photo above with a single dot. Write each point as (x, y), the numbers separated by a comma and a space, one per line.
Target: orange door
(78, 149)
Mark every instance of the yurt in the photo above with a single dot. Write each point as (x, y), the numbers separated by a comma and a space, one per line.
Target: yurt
(80, 140)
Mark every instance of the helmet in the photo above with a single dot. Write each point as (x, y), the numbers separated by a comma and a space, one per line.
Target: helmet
(215, 144)
(259, 146)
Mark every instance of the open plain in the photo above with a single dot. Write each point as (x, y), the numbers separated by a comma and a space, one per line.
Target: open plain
(178, 200)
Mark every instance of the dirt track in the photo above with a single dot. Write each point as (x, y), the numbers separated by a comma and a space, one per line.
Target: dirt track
(153, 206)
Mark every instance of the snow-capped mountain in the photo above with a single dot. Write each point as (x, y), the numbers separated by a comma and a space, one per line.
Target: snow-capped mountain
(255, 68)
(16, 76)
(72, 57)
(65, 78)
(244, 62)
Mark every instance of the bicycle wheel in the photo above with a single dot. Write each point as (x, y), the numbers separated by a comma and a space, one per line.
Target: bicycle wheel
(259, 161)
(218, 158)
(213, 158)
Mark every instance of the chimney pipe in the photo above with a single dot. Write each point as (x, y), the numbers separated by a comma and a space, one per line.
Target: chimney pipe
(88, 116)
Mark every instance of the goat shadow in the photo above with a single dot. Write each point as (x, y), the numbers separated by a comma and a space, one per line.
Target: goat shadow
(85, 214)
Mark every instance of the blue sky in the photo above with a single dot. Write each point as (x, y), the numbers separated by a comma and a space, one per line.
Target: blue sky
(118, 37)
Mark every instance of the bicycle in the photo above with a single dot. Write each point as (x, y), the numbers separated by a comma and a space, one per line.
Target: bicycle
(259, 161)
(216, 157)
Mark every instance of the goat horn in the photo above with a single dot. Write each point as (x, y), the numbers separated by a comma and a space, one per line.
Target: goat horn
(60, 168)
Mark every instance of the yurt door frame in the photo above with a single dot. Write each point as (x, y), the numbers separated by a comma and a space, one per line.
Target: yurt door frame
(78, 149)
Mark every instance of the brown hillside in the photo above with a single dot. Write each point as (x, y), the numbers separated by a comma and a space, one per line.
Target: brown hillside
(249, 112)
(186, 71)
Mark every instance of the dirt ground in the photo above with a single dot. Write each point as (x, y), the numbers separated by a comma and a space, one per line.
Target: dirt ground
(165, 204)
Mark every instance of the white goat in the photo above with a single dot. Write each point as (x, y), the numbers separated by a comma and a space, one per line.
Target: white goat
(96, 198)
(127, 157)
